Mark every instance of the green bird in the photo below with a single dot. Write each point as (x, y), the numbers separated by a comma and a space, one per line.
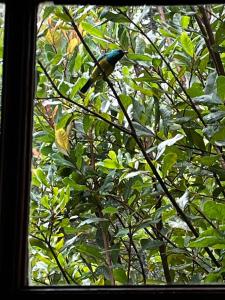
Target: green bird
(107, 62)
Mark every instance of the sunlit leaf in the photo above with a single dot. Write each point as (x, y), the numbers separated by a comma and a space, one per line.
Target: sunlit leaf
(92, 30)
(62, 141)
(185, 20)
(183, 200)
(187, 44)
(110, 210)
(162, 146)
(71, 45)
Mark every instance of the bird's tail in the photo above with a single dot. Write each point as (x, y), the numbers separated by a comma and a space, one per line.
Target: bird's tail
(86, 86)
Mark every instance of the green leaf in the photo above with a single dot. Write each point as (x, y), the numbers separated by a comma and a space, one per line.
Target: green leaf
(215, 211)
(117, 18)
(220, 34)
(45, 137)
(122, 232)
(78, 60)
(144, 91)
(60, 161)
(204, 60)
(92, 30)
(218, 136)
(209, 160)
(132, 174)
(162, 146)
(89, 250)
(87, 123)
(142, 130)
(109, 164)
(147, 244)
(139, 45)
(37, 243)
(112, 155)
(64, 87)
(167, 33)
(183, 200)
(178, 223)
(169, 161)
(45, 202)
(61, 15)
(220, 83)
(47, 11)
(195, 138)
(120, 275)
(213, 117)
(207, 241)
(216, 277)
(77, 86)
(64, 121)
(185, 20)
(126, 100)
(139, 57)
(42, 177)
(210, 83)
(91, 221)
(110, 210)
(124, 38)
(77, 187)
(187, 44)
(207, 100)
(195, 90)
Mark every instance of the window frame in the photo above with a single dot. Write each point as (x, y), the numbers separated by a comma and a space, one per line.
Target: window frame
(16, 155)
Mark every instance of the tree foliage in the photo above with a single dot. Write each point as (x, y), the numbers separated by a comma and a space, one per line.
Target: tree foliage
(128, 180)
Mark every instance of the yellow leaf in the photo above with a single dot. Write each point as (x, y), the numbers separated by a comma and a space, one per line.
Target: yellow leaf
(49, 37)
(71, 45)
(62, 141)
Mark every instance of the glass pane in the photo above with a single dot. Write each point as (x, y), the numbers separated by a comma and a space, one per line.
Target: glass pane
(128, 166)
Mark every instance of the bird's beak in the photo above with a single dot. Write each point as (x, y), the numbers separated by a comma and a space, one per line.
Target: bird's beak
(125, 52)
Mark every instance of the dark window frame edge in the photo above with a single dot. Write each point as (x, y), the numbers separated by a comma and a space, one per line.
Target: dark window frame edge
(17, 120)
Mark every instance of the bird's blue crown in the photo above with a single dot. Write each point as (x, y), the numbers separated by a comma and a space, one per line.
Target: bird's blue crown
(114, 56)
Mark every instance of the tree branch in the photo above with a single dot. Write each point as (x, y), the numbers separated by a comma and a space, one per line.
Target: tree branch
(211, 41)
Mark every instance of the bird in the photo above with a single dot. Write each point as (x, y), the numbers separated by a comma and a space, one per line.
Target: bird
(107, 62)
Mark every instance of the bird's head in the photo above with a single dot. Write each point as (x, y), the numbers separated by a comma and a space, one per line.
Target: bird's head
(115, 55)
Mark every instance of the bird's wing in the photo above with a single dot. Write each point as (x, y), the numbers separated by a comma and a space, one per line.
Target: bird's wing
(101, 57)
(96, 72)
